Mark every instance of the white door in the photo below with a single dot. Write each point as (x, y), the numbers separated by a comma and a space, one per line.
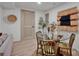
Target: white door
(28, 24)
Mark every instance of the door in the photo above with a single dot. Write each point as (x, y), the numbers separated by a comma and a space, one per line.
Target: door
(28, 24)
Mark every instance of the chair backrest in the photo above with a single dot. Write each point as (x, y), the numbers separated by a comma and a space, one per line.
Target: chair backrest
(48, 48)
(39, 36)
(71, 41)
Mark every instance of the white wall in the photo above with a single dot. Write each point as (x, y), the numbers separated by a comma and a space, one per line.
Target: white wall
(53, 17)
(0, 19)
(15, 28)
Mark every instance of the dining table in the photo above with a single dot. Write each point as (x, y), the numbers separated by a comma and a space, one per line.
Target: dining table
(54, 43)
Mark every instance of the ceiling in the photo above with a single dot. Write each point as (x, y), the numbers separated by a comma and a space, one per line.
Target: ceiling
(31, 5)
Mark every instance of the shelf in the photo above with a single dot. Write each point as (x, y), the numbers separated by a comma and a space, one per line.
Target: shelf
(73, 12)
(70, 25)
(69, 11)
(68, 28)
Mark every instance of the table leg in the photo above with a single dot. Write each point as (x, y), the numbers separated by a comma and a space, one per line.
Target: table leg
(58, 51)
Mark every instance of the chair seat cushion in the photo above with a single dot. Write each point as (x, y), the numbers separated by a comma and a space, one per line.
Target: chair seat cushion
(64, 48)
(64, 51)
(63, 45)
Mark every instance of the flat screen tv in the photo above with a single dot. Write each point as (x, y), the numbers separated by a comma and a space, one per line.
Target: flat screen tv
(65, 20)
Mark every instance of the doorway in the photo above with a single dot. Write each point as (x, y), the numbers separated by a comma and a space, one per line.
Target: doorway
(27, 45)
(28, 25)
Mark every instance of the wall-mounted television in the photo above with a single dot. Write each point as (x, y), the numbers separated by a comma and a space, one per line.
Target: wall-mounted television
(65, 20)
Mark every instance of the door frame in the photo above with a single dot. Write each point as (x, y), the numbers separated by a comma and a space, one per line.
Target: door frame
(22, 22)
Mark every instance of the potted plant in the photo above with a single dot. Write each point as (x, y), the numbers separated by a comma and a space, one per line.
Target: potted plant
(42, 24)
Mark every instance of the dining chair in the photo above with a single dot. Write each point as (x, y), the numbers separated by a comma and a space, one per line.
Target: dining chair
(66, 49)
(48, 48)
(39, 37)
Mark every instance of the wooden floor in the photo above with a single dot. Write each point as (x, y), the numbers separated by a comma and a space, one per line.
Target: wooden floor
(24, 47)
(28, 48)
